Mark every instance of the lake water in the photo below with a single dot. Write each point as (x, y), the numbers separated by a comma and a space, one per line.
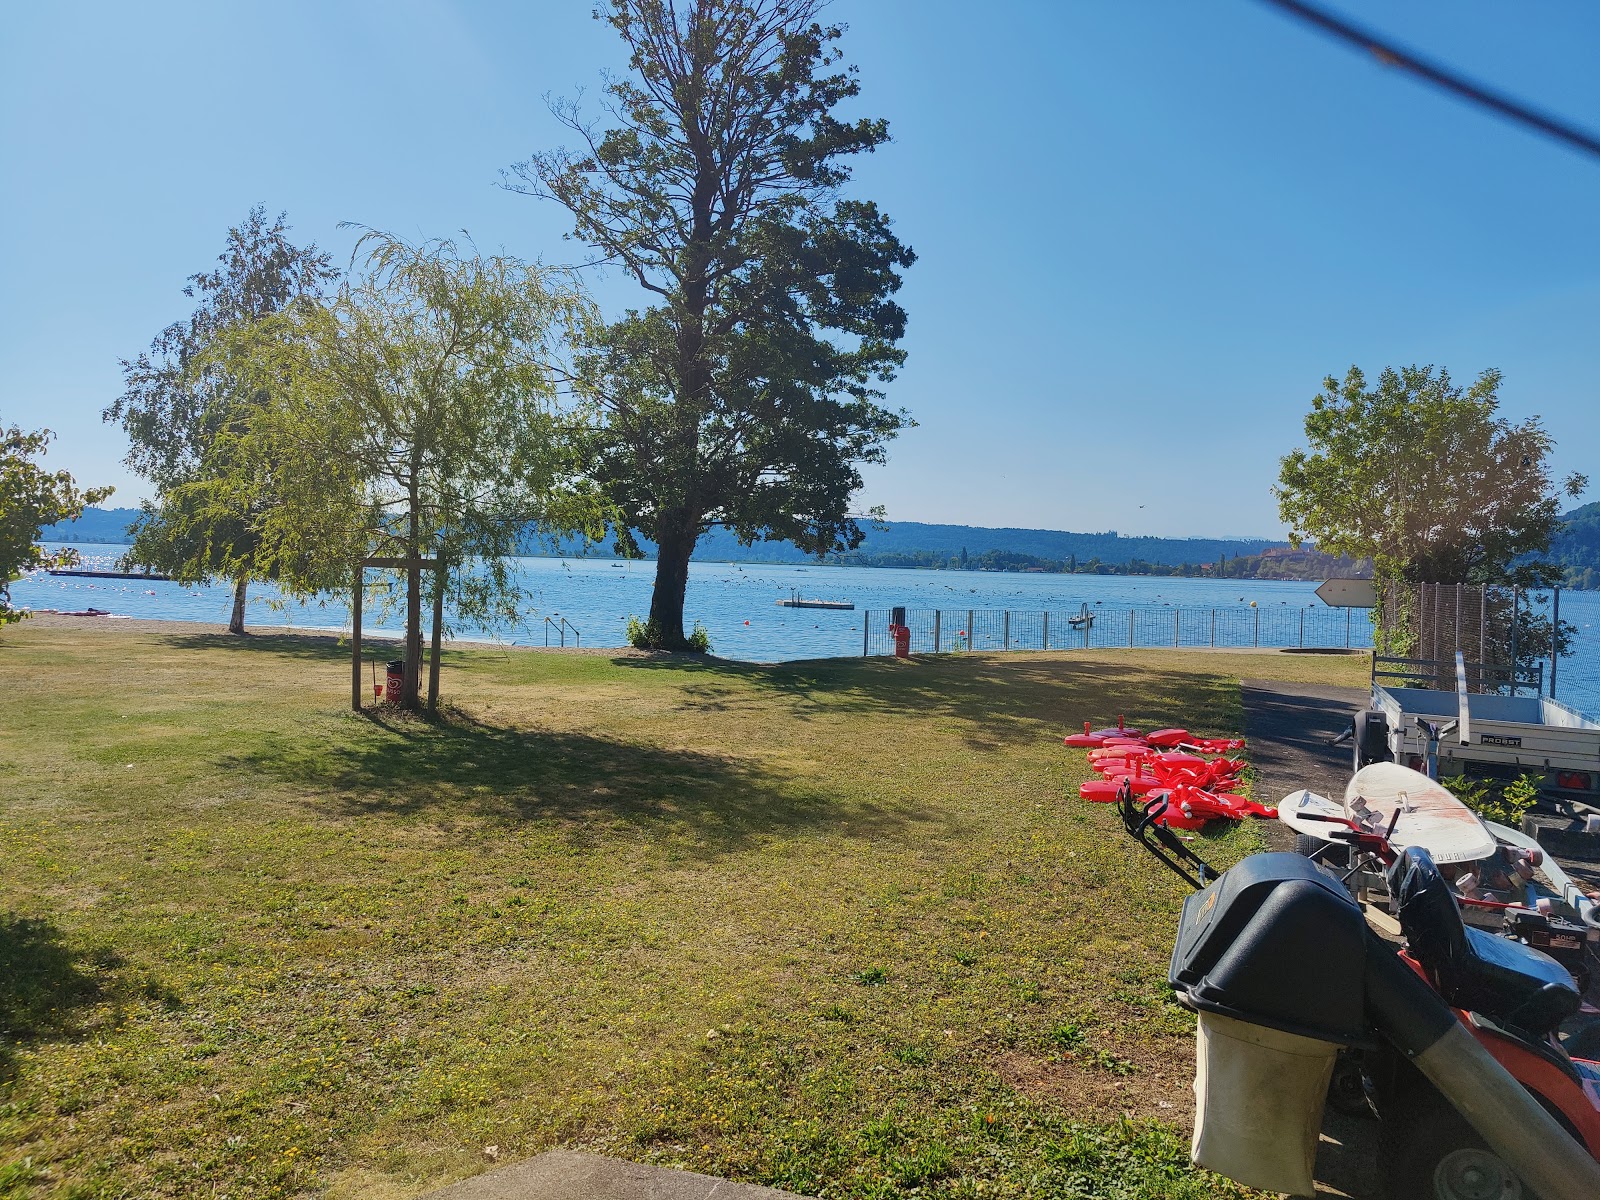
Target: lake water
(738, 606)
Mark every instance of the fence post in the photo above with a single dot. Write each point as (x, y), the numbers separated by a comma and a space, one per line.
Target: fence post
(1213, 629)
(1130, 629)
(1175, 613)
(936, 631)
(1516, 594)
(1302, 628)
(1005, 634)
(1435, 654)
(866, 629)
(1258, 627)
(1421, 604)
(1047, 629)
(1457, 639)
(972, 632)
(1555, 638)
(1483, 619)
(1347, 628)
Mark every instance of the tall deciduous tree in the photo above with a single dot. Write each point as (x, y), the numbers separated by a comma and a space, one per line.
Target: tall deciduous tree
(182, 402)
(31, 497)
(415, 415)
(1425, 478)
(747, 394)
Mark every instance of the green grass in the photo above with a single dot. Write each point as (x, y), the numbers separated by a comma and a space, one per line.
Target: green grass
(819, 925)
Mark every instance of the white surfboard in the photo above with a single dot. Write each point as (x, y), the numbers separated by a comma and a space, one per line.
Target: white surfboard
(1430, 816)
(1295, 808)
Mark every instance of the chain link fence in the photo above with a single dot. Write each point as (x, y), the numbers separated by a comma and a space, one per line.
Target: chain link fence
(942, 631)
(1495, 628)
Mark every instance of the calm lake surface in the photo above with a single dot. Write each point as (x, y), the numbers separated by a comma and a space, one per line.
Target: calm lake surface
(738, 606)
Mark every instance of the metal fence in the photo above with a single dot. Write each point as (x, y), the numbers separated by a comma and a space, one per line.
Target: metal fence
(941, 631)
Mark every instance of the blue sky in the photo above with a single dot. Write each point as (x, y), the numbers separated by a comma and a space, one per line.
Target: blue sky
(1146, 229)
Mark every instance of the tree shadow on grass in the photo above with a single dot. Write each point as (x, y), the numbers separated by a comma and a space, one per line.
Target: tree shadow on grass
(45, 984)
(997, 700)
(320, 647)
(458, 765)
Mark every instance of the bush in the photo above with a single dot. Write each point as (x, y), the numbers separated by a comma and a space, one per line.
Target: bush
(1504, 805)
(647, 636)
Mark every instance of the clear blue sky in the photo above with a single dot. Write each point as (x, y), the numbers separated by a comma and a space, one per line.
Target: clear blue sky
(1146, 229)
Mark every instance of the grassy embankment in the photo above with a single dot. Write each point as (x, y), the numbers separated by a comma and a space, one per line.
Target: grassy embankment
(831, 926)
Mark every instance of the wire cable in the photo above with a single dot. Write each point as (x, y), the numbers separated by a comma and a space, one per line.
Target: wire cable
(1394, 56)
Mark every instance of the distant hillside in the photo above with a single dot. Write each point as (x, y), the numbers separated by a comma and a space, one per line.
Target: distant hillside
(1577, 547)
(915, 544)
(930, 542)
(96, 525)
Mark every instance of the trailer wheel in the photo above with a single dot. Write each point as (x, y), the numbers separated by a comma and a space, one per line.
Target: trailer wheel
(1371, 738)
(1332, 853)
(1429, 1152)
(1347, 1089)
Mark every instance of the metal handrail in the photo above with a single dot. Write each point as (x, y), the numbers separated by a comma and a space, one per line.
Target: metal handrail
(1386, 666)
(561, 625)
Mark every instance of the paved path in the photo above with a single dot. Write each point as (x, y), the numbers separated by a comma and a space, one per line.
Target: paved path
(1289, 726)
(571, 1175)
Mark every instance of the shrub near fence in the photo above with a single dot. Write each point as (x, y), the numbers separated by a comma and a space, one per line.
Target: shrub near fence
(940, 631)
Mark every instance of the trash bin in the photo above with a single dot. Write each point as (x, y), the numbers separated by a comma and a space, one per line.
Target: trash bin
(395, 681)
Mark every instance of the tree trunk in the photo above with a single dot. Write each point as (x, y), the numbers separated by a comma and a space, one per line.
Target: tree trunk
(674, 546)
(413, 643)
(236, 620)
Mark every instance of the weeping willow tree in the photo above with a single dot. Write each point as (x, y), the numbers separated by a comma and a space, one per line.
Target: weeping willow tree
(417, 414)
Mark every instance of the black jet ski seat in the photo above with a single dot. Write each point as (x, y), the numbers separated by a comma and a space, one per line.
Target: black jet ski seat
(1503, 980)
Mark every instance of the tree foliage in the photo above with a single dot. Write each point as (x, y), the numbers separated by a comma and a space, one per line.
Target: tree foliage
(31, 497)
(1425, 478)
(748, 393)
(415, 414)
(184, 404)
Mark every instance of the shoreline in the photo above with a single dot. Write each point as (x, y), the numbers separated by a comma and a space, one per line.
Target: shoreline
(217, 629)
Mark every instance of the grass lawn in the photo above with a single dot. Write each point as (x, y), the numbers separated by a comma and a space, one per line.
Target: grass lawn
(836, 927)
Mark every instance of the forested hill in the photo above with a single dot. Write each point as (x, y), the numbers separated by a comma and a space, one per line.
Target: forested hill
(1577, 547)
(910, 539)
(914, 539)
(96, 525)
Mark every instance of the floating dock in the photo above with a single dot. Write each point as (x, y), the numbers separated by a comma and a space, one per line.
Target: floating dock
(111, 574)
(797, 602)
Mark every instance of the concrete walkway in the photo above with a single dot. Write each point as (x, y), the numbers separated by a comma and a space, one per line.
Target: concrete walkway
(571, 1175)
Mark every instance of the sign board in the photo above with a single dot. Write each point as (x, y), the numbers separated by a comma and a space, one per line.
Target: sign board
(1348, 593)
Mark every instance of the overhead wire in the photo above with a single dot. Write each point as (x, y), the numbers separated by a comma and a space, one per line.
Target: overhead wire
(1392, 55)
